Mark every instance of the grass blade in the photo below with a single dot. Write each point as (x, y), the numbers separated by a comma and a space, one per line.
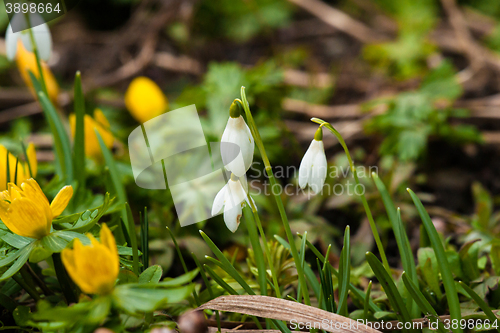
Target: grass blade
(79, 141)
(344, 274)
(421, 301)
(444, 266)
(482, 304)
(257, 250)
(390, 288)
(367, 301)
(61, 139)
(133, 239)
(402, 241)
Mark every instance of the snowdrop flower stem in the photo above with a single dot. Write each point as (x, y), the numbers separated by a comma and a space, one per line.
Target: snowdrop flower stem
(373, 227)
(277, 197)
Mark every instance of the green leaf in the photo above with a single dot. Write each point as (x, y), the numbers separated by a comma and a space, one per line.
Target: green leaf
(482, 304)
(133, 238)
(180, 280)
(22, 256)
(226, 265)
(151, 274)
(444, 267)
(15, 240)
(79, 142)
(61, 139)
(401, 237)
(135, 299)
(344, 274)
(468, 258)
(422, 302)
(39, 253)
(390, 289)
(58, 240)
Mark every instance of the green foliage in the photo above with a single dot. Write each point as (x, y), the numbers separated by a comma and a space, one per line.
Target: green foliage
(413, 117)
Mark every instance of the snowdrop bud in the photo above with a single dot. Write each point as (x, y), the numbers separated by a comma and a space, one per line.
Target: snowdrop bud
(41, 34)
(313, 168)
(238, 133)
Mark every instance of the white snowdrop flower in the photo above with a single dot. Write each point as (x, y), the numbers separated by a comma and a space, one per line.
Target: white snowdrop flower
(41, 34)
(237, 133)
(232, 198)
(313, 168)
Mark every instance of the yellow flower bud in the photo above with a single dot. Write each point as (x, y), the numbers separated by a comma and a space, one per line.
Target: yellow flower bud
(144, 99)
(23, 169)
(94, 268)
(26, 62)
(26, 211)
(99, 122)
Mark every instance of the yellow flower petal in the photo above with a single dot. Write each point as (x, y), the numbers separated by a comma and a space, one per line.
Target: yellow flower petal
(101, 119)
(26, 62)
(27, 219)
(94, 268)
(61, 200)
(32, 190)
(144, 99)
(108, 240)
(92, 147)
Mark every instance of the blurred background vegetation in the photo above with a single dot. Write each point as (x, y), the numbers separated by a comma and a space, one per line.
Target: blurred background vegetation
(411, 85)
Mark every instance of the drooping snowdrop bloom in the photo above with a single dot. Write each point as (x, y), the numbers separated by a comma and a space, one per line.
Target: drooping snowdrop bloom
(41, 34)
(232, 198)
(313, 168)
(238, 134)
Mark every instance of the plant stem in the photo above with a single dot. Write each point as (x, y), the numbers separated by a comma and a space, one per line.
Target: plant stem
(32, 292)
(37, 56)
(38, 280)
(373, 227)
(266, 249)
(63, 278)
(279, 202)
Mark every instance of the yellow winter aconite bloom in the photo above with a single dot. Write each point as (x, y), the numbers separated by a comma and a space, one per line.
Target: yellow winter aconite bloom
(26, 211)
(94, 268)
(26, 62)
(24, 171)
(144, 99)
(99, 122)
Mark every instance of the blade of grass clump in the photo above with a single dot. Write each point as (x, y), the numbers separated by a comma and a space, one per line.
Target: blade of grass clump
(421, 301)
(367, 301)
(183, 263)
(373, 227)
(79, 141)
(390, 289)
(354, 290)
(311, 277)
(257, 251)
(302, 255)
(209, 288)
(220, 281)
(133, 239)
(226, 265)
(482, 304)
(344, 274)
(61, 139)
(401, 239)
(277, 197)
(444, 266)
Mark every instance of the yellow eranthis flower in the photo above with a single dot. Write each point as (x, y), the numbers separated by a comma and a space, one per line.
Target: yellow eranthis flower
(144, 99)
(26, 62)
(23, 169)
(26, 211)
(94, 268)
(99, 122)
